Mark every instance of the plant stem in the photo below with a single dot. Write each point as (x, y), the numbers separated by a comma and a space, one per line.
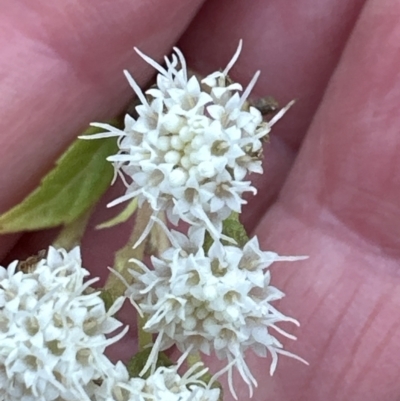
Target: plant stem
(155, 243)
(158, 239)
(143, 337)
(71, 234)
(114, 284)
(193, 358)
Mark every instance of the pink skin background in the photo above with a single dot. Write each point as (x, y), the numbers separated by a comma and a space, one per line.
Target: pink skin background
(331, 188)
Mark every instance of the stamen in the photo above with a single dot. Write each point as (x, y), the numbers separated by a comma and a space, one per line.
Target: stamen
(234, 58)
(184, 356)
(249, 88)
(280, 114)
(168, 233)
(147, 230)
(182, 61)
(152, 359)
(136, 89)
(151, 62)
(124, 198)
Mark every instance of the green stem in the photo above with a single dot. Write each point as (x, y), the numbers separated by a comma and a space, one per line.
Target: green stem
(114, 284)
(193, 358)
(143, 337)
(158, 240)
(71, 234)
(157, 243)
(154, 244)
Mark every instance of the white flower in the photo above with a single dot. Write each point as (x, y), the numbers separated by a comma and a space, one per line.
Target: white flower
(164, 384)
(52, 333)
(191, 145)
(216, 302)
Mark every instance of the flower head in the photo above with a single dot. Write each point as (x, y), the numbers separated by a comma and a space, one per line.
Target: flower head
(52, 332)
(165, 383)
(219, 301)
(191, 145)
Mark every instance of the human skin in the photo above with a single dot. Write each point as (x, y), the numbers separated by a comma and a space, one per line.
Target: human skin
(331, 186)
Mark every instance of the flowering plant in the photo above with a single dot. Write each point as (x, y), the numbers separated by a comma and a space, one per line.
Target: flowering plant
(184, 157)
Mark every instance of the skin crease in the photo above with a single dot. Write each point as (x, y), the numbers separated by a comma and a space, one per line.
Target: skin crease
(332, 181)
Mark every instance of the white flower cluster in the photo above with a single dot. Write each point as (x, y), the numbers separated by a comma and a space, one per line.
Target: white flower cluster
(187, 153)
(219, 301)
(192, 144)
(164, 384)
(52, 333)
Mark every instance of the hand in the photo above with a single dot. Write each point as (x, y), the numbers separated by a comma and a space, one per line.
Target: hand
(61, 68)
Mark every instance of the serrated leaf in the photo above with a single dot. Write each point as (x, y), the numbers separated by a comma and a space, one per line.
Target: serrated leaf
(78, 180)
(121, 217)
(137, 363)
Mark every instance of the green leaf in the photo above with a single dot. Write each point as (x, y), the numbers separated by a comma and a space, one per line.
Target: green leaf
(136, 363)
(78, 180)
(232, 228)
(208, 241)
(121, 217)
(107, 298)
